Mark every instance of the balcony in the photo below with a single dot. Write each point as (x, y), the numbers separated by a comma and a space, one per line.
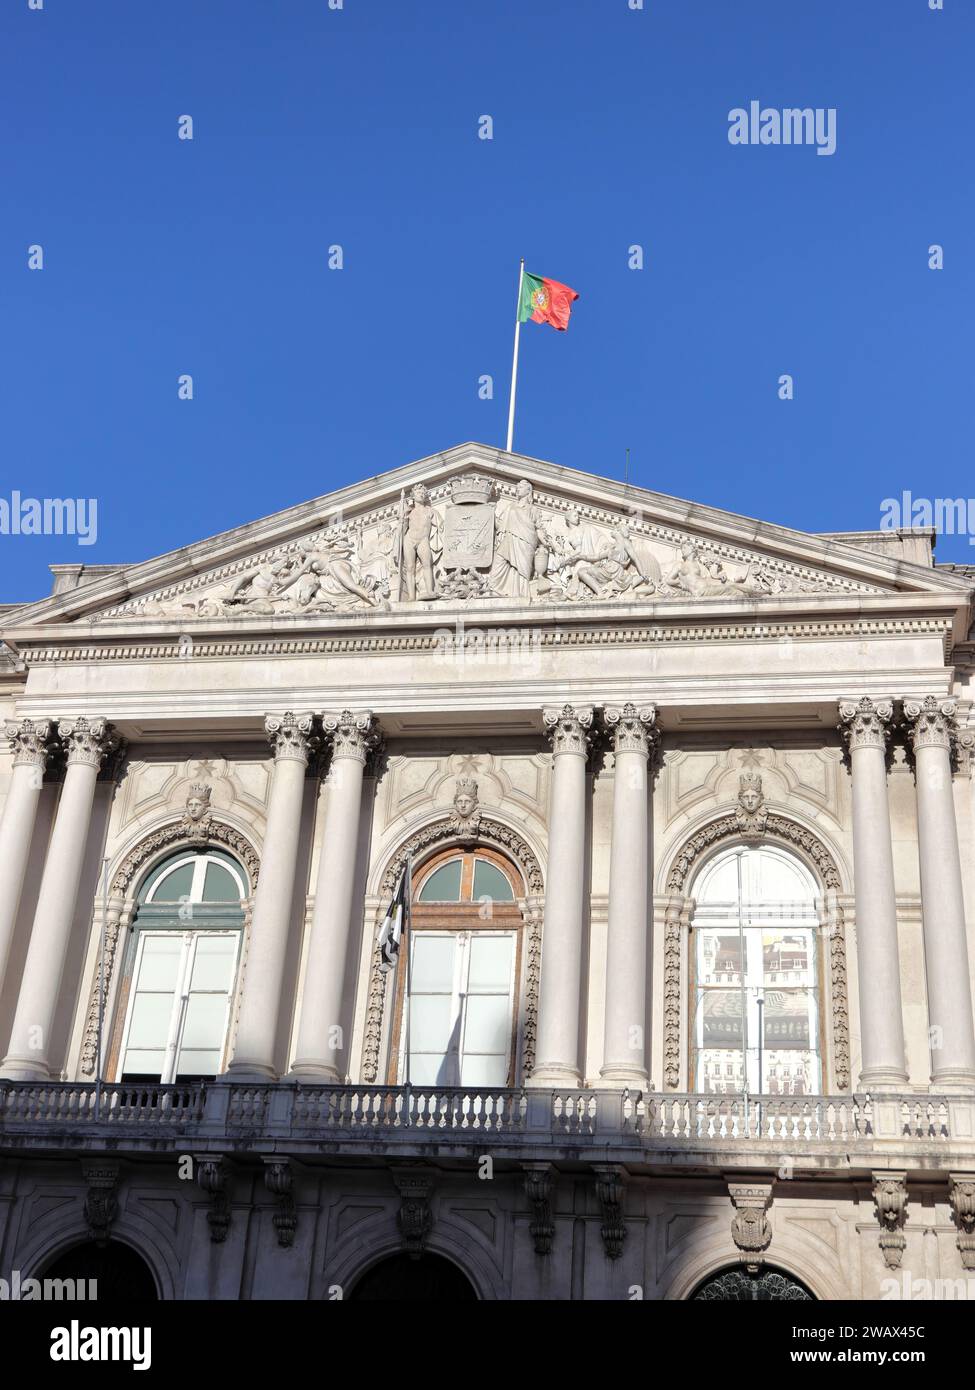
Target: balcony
(657, 1132)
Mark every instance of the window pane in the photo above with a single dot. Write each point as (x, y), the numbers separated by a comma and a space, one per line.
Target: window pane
(174, 885)
(160, 962)
(143, 1063)
(430, 1023)
(721, 1017)
(213, 964)
(490, 882)
(787, 956)
(720, 960)
(490, 968)
(151, 1014)
(204, 1022)
(443, 885)
(485, 1071)
(433, 964)
(219, 885)
(428, 1069)
(720, 1070)
(487, 1024)
(198, 1063)
(786, 1018)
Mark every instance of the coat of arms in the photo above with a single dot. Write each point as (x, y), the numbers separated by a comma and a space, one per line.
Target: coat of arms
(469, 525)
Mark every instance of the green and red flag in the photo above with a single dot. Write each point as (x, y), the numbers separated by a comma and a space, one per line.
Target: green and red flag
(545, 301)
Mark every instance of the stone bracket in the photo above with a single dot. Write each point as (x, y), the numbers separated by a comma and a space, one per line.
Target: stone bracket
(414, 1218)
(961, 1195)
(890, 1199)
(610, 1187)
(538, 1190)
(751, 1229)
(211, 1174)
(279, 1180)
(101, 1199)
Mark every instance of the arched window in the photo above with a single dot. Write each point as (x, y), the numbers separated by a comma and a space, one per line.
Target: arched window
(457, 1026)
(181, 969)
(736, 1286)
(756, 994)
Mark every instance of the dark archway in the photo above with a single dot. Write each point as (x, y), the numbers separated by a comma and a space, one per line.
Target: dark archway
(401, 1279)
(738, 1286)
(119, 1273)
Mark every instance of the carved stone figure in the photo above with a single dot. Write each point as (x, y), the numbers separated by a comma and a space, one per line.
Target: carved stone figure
(466, 817)
(515, 545)
(420, 531)
(329, 580)
(751, 812)
(197, 816)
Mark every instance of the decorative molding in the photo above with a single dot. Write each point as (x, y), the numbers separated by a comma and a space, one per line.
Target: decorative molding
(490, 832)
(751, 1229)
(961, 1195)
(211, 1174)
(677, 915)
(177, 833)
(839, 996)
(777, 827)
(610, 1187)
(533, 915)
(119, 916)
(890, 1200)
(101, 1198)
(279, 1181)
(621, 634)
(538, 1190)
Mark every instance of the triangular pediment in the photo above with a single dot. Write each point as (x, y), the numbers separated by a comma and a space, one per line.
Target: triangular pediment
(477, 526)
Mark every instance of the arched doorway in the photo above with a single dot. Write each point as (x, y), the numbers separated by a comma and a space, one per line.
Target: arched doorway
(737, 1286)
(402, 1279)
(117, 1270)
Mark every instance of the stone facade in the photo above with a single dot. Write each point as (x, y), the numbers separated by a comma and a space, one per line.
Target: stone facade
(613, 701)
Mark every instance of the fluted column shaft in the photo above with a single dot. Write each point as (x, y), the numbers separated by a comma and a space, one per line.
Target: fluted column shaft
(866, 727)
(87, 741)
(560, 987)
(260, 1005)
(952, 1034)
(30, 745)
(624, 1043)
(320, 1053)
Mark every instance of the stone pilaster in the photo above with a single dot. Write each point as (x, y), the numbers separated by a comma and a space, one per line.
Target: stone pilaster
(30, 742)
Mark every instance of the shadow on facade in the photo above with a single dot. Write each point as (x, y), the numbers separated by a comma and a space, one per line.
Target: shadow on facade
(120, 1273)
(401, 1279)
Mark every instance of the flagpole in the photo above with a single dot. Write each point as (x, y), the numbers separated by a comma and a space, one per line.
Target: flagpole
(514, 361)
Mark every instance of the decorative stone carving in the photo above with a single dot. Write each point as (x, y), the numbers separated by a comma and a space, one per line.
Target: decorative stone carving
(751, 1229)
(890, 1199)
(87, 741)
(631, 728)
(933, 723)
(353, 734)
(101, 1200)
(839, 1000)
(420, 538)
(468, 544)
(751, 813)
(414, 1217)
(279, 1181)
(488, 832)
(961, 1195)
(119, 913)
(569, 728)
(291, 735)
(538, 1190)
(776, 828)
(610, 1186)
(30, 741)
(533, 915)
(466, 817)
(675, 915)
(211, 1174)
(197, 817)
(866, 723)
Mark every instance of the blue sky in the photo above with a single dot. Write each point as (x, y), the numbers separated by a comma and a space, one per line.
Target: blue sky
(359, 127)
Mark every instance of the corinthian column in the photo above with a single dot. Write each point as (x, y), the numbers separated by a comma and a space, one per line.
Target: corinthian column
(321, 1040)
(934, 734)
(568, 730)
(260, 1004)
(624, 1047)
(30, 745)
(866, 727)
(87, 741)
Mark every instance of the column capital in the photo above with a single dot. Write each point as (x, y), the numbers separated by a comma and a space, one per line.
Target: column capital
(30, 741)
(866, 723)
(933, 723)
(568, 728)
(291, 736)
(87, 741)
(352, 733)
(632, 727)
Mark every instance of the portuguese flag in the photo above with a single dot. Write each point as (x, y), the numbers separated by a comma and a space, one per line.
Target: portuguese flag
(545, 301)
